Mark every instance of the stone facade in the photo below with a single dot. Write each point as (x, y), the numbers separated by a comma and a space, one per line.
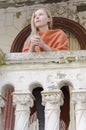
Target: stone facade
(50, 71)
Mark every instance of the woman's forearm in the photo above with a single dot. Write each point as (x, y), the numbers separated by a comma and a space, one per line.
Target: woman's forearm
(32, 48)
(46, 48)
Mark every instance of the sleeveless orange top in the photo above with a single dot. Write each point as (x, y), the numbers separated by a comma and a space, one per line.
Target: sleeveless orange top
(56, 39)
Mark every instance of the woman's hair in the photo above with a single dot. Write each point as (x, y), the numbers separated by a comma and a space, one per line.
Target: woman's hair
(50, 24)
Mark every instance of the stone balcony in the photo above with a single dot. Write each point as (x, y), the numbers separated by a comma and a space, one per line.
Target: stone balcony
(45, 68)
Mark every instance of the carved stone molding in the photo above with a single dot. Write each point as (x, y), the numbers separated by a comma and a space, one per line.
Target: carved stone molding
(52, 80)
(58, 79)
(56, 57)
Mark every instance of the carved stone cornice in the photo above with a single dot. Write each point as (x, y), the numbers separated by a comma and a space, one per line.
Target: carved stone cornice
(52, 98)
(60, 57)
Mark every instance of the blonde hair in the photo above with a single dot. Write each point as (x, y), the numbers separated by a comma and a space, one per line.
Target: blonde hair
(50, 24)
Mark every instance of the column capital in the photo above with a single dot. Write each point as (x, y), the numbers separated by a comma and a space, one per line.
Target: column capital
(23, 98)
(78, 97)
(52, 97)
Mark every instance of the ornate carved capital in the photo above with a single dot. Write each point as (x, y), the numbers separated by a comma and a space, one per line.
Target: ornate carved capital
(78, 97)
(54, 97)
(23, 98)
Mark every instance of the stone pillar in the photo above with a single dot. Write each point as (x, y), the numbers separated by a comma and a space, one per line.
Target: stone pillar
(78, 97)
(23, 102)
(52, 101)
(2, 104)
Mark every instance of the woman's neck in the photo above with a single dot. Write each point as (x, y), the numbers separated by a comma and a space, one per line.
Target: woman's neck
(43, 28)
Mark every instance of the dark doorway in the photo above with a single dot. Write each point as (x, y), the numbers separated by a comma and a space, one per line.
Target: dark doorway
(39, 107)
(65, 109)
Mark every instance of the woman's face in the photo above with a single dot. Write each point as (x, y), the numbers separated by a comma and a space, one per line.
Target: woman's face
(41, 19)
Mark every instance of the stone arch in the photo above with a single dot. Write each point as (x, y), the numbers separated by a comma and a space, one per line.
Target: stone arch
(65, 83)
(34, 85)
(5, 87)
(58, 22)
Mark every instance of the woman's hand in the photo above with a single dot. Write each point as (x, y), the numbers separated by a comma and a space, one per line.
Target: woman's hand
(37, 41)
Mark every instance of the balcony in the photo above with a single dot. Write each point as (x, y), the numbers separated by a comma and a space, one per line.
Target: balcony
(69, 63)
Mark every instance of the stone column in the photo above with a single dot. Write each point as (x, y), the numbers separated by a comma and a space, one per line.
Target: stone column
(23, 102)
(2, 104)
(78, 97)
(52, 101)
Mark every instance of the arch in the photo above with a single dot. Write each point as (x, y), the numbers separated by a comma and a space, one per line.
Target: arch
(35, 85)
(63, 23)
(65, 83)
(5, 88)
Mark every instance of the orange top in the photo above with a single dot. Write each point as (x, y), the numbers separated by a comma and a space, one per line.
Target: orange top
(56, 39)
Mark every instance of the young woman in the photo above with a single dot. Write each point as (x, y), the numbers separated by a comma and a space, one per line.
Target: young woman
(42, 37)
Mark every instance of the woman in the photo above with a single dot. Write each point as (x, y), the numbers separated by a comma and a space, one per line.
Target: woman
(42, 37)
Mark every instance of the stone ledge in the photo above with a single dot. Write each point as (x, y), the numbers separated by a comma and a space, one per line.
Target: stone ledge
(60, 57)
